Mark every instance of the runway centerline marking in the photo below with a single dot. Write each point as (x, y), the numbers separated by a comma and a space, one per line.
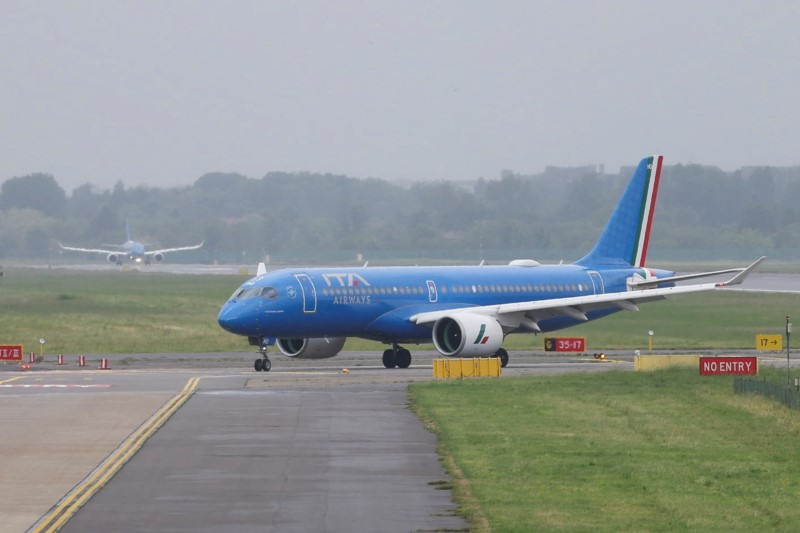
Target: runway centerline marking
(77, 497)
(54, 386)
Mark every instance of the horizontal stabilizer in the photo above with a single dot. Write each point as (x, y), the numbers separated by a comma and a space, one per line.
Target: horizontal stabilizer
(742, 273)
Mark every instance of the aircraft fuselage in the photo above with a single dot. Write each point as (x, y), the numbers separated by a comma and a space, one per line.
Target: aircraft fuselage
(377, 302)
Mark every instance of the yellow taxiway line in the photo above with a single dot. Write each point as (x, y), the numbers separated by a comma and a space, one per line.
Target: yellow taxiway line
(12, 379)
(77, 497)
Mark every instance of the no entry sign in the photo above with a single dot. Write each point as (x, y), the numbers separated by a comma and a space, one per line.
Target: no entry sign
(717, 366)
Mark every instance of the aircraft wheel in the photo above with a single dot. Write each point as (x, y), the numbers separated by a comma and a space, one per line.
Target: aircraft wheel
(503, 355)
(258, 365)
(266, 364)
(389, 359)
(403, 358)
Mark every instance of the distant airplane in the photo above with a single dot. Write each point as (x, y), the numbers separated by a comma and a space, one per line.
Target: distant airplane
(131, 250)
(466, 311)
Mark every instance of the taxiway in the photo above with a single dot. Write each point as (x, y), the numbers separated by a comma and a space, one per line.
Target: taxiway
(201, 442)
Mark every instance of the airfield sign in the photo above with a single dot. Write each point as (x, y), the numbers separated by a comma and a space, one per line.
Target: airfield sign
(11, 352)
(769, 343)
(565, 344)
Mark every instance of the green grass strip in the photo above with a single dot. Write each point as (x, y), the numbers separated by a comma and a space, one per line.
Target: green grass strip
(618, 451)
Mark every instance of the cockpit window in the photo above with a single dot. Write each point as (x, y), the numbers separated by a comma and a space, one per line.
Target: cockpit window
(254, 292)
(269, 292)
(246, 294)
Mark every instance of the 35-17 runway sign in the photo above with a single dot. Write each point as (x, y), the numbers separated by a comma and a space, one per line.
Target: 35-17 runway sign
(564, 344)
(11, 352)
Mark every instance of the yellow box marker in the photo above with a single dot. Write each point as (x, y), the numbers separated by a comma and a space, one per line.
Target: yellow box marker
(475, 367)
(657, 362)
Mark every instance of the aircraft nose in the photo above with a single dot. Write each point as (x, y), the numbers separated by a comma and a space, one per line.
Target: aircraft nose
(229, 319)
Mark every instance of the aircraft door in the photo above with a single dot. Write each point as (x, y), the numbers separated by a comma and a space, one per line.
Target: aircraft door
(433, 295)
(309, 293)
(597, 282)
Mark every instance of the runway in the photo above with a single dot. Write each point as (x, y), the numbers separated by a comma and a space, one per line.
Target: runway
(305, 448)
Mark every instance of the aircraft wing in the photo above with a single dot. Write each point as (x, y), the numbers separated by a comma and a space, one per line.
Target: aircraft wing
(90, 250)
(526, 315)
(178, 249)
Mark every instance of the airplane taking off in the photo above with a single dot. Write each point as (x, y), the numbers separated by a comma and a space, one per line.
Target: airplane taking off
(131, 250)
(466, 311)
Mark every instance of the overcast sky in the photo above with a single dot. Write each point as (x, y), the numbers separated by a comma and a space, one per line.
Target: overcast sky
(159, 93)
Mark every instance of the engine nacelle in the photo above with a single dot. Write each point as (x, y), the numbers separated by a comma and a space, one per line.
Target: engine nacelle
(114, 258)
(467, 335)
(311, 348)
(158, 257)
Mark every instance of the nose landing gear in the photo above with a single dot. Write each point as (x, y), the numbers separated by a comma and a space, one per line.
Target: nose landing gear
(263, 363)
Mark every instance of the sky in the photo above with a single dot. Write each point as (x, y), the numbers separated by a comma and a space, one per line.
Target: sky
(160, 93)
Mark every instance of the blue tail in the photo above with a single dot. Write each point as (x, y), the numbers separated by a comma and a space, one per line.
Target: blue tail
(626, 237)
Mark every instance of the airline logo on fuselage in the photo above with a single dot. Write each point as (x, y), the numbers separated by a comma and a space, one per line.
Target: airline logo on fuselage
(344, 279)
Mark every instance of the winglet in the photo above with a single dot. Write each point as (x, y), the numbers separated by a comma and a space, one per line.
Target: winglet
(262, 269)
(740, 277)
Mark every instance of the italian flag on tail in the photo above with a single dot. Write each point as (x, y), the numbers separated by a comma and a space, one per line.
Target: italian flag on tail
(648, 208)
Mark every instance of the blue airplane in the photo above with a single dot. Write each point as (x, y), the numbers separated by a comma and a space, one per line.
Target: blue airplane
(131, 250)
(466, 311)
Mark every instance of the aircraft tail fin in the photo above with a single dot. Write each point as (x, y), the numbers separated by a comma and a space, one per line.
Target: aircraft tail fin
(128, 231)
(625, 239)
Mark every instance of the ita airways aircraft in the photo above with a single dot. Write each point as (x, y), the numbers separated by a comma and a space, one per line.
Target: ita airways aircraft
(131, 250)
(466, 311)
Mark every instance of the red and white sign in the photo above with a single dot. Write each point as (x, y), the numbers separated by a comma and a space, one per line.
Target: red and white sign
(565, 344)
(11, 352)
(718, 366)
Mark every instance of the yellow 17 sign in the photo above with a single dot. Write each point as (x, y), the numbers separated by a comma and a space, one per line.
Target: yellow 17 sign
(769, 342)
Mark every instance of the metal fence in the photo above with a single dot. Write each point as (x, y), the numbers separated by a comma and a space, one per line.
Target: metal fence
(788, 396)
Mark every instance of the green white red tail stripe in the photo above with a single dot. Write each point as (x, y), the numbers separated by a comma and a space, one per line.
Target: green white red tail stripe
(648, 210)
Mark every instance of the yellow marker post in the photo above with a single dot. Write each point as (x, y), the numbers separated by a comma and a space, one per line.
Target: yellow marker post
(769, 343)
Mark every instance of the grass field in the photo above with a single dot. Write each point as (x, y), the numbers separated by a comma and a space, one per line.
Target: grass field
(659, 451)
(133, 312)
(115, 312)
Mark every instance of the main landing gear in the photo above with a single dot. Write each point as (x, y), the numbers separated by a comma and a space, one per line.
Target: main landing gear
(401, 358)
(503, 355)
(263, 363)
(396, 357)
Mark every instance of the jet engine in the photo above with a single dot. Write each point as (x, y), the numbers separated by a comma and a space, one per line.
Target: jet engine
(467, 335)
(317, 348)
(114, 258)
(158, 257)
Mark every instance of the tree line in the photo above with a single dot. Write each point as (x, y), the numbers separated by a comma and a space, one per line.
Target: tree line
(703, 212)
